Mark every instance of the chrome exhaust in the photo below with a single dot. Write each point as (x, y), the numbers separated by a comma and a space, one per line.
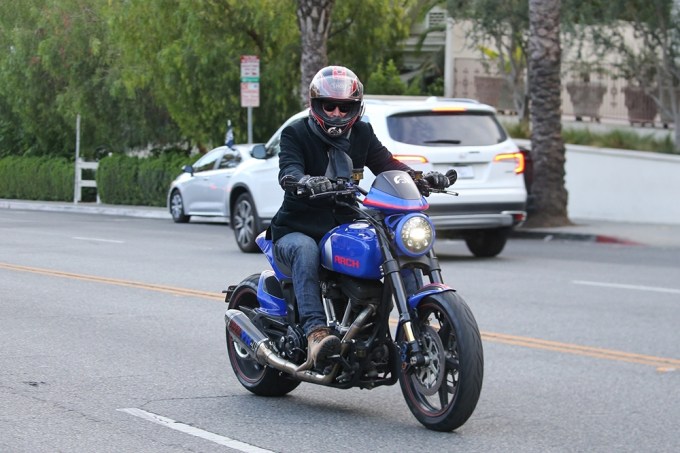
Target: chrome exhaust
(250, 338)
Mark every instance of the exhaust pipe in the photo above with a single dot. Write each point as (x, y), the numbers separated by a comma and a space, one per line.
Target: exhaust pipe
(256, 343)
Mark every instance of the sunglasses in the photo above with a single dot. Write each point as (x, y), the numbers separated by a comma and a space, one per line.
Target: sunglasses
(330, 106)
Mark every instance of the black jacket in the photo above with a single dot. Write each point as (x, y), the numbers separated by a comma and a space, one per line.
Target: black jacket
(303, 153)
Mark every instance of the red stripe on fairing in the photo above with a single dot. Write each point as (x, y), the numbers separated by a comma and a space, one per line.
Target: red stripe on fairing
(395, 207)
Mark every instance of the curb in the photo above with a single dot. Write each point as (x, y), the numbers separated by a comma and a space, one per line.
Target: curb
(79, 208)
(564, 236)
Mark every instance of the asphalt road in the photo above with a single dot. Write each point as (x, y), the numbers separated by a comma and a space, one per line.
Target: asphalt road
(112, 338)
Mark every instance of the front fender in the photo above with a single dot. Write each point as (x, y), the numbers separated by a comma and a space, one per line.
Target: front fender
(427, 290)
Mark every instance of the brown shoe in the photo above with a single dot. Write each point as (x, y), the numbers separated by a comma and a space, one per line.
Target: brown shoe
(322, 344)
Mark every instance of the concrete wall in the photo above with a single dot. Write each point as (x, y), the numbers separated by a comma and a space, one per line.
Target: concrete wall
(628, 186)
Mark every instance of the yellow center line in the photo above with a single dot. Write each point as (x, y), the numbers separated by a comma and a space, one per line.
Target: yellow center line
(115, 281)
(661, 363)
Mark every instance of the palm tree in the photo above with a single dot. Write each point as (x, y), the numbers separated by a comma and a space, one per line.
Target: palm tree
(548, 198)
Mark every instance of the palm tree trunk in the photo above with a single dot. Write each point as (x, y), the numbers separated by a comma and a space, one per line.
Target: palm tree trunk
(548, 199)
(314, 20)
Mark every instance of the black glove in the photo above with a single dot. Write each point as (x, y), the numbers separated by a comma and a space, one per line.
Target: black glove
(436, 180)
(316, 184)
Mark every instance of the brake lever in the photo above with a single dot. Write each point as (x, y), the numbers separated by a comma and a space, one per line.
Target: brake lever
(448, 192)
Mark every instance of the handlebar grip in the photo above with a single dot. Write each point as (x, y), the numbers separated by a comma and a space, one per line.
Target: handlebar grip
(452, 175)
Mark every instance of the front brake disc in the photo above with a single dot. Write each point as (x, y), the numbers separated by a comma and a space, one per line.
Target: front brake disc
(429, 377)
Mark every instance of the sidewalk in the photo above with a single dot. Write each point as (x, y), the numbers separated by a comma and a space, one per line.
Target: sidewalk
(582, 230)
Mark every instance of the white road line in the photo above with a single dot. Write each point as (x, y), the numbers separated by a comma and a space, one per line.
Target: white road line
(170, 423)
(113, 241)
(622, 286)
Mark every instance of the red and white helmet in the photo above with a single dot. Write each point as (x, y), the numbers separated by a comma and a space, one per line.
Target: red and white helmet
(336, 84)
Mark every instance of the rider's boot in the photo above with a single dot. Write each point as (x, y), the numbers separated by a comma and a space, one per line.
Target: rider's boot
(322, 344)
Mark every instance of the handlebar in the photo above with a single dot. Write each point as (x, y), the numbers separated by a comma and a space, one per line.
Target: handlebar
(342, 186)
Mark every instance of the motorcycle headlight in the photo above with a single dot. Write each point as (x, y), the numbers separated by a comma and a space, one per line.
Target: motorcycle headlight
(415, 235)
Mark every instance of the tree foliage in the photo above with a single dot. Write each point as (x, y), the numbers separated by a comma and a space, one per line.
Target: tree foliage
(651, 57)
(58, 65)
(187, 53)
(161, 73)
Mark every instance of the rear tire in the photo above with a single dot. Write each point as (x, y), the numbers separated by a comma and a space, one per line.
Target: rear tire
(258, 379)
(443, 394)
(486, 243)
(247, 224)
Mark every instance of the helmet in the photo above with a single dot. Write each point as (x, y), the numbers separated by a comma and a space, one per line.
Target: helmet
(336, 83)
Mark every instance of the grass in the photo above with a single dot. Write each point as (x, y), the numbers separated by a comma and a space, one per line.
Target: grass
(617, 139)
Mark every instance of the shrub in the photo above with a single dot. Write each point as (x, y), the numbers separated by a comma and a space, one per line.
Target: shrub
(37, 178)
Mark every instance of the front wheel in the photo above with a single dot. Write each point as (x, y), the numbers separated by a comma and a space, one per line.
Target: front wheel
(177, 208)
(443, 393)
(260, 380)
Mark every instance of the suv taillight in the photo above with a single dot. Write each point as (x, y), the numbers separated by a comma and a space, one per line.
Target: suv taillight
(410, 159)
(518, 158)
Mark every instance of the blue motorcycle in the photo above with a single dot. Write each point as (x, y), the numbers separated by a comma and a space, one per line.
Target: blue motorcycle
(382, 259)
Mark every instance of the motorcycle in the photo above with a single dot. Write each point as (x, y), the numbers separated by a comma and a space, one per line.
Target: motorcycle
(434, 351)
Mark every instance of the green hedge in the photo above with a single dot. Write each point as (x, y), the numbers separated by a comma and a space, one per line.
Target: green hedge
(36, 178)
(137, 181)
(120, 179)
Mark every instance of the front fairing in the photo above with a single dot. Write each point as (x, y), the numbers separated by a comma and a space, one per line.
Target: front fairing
(395, 191)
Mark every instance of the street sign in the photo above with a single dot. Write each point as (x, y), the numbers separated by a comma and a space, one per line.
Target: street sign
(250, 81)
(250, 94)
(250, 67)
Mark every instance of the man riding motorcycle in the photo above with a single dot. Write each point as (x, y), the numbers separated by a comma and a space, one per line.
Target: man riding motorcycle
(327, 145)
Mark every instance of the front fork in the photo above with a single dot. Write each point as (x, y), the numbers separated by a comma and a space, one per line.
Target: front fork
(411, 354)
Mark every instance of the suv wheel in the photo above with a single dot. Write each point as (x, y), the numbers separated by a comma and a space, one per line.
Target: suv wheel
(486, 243)
(177, 208)
(247, 224)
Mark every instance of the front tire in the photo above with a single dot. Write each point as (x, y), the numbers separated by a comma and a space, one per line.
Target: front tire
(486, 243)
(247, 224)
(443, 394)
(177, 208)
(258, 379)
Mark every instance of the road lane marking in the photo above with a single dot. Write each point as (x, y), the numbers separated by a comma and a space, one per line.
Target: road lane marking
(661, 363)
(113, 241)
(115, 281)
(624, 286)
(600, 353)
(197, 432)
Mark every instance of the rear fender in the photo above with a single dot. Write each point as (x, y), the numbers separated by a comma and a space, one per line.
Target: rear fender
(270, 296)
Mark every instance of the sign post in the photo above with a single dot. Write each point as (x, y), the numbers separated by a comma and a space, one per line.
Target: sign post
(250, 87)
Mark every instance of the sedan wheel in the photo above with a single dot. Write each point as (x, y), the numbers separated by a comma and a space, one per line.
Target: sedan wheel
(247, 224)
(177, 208)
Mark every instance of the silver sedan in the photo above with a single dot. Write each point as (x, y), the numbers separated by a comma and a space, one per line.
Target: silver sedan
(202, 188)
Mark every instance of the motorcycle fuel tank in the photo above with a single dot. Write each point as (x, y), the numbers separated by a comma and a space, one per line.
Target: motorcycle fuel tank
(352, 249)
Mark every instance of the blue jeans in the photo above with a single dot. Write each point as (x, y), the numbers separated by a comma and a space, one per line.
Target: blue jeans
(301, 254)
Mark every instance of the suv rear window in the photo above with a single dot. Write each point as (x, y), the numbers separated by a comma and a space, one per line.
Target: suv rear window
(446, 128)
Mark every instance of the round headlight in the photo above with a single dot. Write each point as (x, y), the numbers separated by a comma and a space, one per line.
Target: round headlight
(415, 235)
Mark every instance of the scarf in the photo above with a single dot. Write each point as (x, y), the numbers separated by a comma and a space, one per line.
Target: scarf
(339, 163)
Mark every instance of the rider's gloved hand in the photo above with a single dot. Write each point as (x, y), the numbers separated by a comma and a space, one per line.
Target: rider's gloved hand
(316, 184)
(436, 180)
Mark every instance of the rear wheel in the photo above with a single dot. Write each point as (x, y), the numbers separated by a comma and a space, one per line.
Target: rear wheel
(261, 380)
(443, 393)
(177, 208)
(486, 243)
(247, 224)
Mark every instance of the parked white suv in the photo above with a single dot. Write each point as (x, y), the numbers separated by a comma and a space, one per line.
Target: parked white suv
(427, 134)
